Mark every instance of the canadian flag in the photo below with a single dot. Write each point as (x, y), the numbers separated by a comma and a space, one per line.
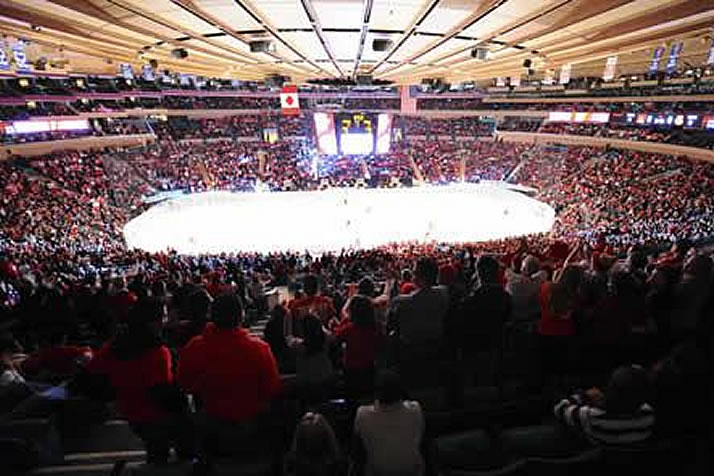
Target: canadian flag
(289, 101)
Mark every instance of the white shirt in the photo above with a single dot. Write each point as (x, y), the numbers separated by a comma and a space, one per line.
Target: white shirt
(11, 376)
(392, 436)
(525, 293)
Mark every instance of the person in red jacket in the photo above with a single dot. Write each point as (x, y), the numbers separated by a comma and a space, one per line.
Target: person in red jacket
(235, 375)
(138, 368)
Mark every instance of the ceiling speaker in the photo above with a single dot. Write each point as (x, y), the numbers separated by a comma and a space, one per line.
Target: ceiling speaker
(480, 53)
(261, 46)
(381, 44)
(154, 64)
(527, 63)
(364, 79)
(179, 53)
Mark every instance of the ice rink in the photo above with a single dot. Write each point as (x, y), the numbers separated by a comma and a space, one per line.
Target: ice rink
(333, 219)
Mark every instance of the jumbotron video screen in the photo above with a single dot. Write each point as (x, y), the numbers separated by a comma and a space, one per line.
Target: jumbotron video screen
(353, 133)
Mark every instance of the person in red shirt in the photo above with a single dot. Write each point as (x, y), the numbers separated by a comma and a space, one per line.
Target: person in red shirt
(235, 375)
(407, 286)
(138, 368)
(363, 339)
(58, 359)
(560, 300)
(311, 303)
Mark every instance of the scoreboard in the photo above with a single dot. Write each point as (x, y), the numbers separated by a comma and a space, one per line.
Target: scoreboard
(356, 123)
(353, 133)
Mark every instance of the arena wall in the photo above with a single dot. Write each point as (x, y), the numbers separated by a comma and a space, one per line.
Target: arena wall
(656, 147)
(31, 149)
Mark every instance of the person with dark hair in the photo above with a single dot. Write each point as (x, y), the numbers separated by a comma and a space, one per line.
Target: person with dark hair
(315, 373)
(417, 323)
(388, 434)
(197, 309)
(407, 285)
(311, 303)
(274, 335)
(138, 367)
(560, 302)
(484, 313)
(620, 415)
(362, 338)
(315, 450)
(235, 375)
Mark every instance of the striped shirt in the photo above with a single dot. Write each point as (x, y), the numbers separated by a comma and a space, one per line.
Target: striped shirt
(604, 428)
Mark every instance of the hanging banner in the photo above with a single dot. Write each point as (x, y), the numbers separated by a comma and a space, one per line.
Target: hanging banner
(710, 58)
(549, 77)
(515, 81)
(20, 58)
(500, 81)
(565, 73)
(289, 102)
(610, 66)
(4, 58)
(674, 53)
(656, 58)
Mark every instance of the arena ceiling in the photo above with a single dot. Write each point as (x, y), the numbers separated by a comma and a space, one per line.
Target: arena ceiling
(333, 38)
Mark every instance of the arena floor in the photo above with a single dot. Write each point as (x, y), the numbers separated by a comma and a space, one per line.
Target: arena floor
(334, 219)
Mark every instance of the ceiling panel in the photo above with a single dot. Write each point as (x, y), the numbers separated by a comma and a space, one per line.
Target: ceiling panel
(413, 44)
(229, 13)
(342, 14)
(307, 43)
(284, 13)
(174, 14)
(447, 15)
(394, 15)
(343, 45)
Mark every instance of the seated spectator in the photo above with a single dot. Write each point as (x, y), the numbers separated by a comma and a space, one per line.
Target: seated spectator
(58, 359)
(618, 416)
(234, 374)
(388, 434)
(315, 450)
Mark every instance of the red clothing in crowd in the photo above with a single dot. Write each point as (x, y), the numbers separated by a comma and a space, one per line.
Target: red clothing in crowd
(60, 360)
(407, 288)
(550, 324)
(233, 372)
(320, 306)
(362, 345)
(132, 380)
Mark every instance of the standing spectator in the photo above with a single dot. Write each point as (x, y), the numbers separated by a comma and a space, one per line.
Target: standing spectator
(484, 314)
(311, 303)
(362, 340)
(524, 290)
(388, 433)
(234, 374)
(560, 300)
(138, 367)
(314, 369)
(417, 321)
